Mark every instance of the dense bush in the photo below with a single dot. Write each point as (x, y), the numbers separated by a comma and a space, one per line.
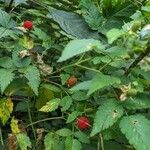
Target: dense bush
(75, 74)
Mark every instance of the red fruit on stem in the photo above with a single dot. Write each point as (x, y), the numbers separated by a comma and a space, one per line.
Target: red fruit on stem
(72, 81)
(83, 122)
(28, 25)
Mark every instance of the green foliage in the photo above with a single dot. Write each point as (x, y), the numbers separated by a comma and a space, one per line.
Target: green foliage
(101, 81)
(33, 76)
(23, 141)
(104, 45)
(5, 78)
(107, 115)
(77, 47)
(136, 126)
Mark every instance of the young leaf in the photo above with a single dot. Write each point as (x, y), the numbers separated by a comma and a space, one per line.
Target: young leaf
(64, 132)
(51, 141)
(66, 103)
(6, 108)
(76, 47)
(108, 113)
(51, 105)
(33, 75)
(76, 145)
(6, 76)
(73, 116)
(113, 35)
(137, 130)
(14, 126)
(100, 81)
(23, 141)
(82, 137)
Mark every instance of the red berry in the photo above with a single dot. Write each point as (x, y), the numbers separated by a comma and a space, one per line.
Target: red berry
(72, 81)
(28, 25)
(83, 122)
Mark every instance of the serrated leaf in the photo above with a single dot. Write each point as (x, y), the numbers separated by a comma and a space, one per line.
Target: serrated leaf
(82, 137)
(101, 81)
(17, 60)
(108, 113)
(6, 76)
(66, 103)
(64, 78)
(23, 141)
(68, 143)
(137, 130)
(73, 116)
(91, 14)
(141, 101)
(4, 32)
(6, 62)
(6, 108)
(64, 132)
(76, 47)
(44, 96)
(51, 141)
(33, 76)
(5, 20)
(76, 145)
(81, 86)
(73, 24)
(79, 96)
(14, 126)
(113, 35)
(51, 105)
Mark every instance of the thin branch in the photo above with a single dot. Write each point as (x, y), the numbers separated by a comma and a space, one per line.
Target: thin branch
(137, 60)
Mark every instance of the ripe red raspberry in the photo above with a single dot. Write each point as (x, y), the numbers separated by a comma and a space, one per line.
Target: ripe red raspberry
(28, 25)
(83, 122)
(72, 81)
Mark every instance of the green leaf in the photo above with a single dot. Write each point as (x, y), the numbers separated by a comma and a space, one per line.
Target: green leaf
(91, 14)
(5, 20)
(79, 96)
(101, 81)
(33, 75)
(4, 32)
(81, 86)
(76, 47)
(141, 101)
(73, 116)
(137, 130)
(82, 137)
(23, 141)
(6, 62)
(44, 96)
(68, 143)
(64, 78)
(17, 60)
(51, 141)
(73, 24)
(6, 108)
(76, 145)
(113, 35)
(66, 102)
(64, 132)
(6, 76)
(108, 113)
(51, 105)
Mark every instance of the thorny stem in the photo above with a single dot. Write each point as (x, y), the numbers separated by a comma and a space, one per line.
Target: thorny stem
(137, 60)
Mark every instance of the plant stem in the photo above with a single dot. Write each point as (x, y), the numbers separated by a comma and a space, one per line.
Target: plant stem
(1, 137)
(102, 141)
(30, 118)
(137, 60)
(47, 119)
